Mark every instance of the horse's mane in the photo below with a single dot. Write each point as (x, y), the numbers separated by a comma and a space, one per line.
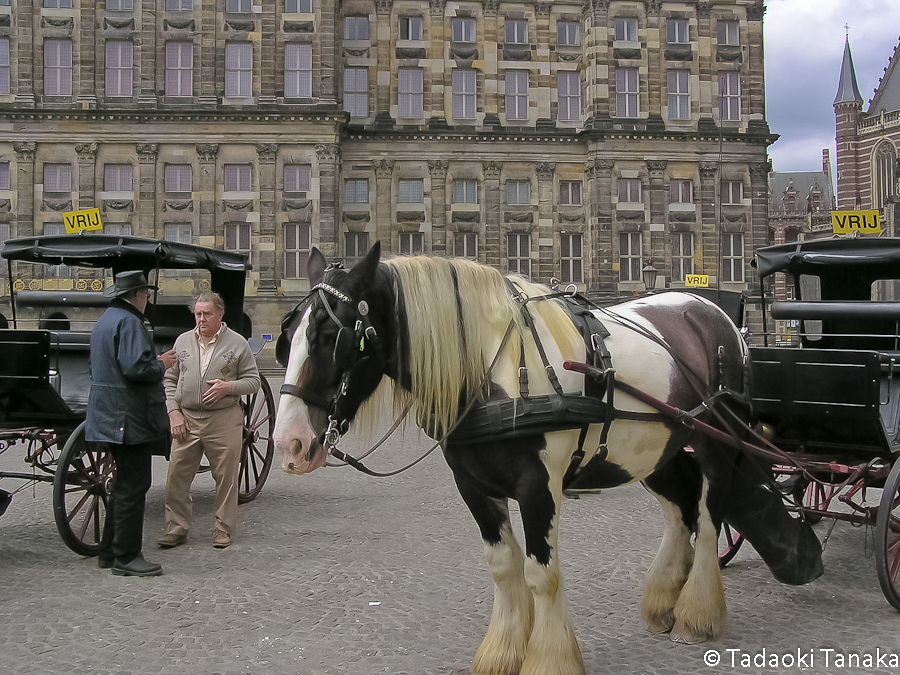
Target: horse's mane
(452, 343)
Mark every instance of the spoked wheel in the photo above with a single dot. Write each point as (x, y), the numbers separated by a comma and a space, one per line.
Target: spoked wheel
(258, 448)
(816, 497)
(887, 538)
(730, 541)
(80, 493)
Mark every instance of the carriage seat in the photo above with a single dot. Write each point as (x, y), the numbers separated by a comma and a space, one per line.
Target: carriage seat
(69, 368)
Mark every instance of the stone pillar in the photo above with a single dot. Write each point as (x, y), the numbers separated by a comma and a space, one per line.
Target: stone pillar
(439, 243)
(546, 267)
(86, 78)
(381, 42)
(494, 245)
(146, 208)
(384, 217)
(325, 30)
(87, 167)
(267, 152)
(709, 219)
(757, 234)
(209, 233)
(24, 189)
(268, 57)
(329, 158)
(600, 275)
(659, 203)
(24, 57)
(145, 53)
(209, 54)
(440, 74)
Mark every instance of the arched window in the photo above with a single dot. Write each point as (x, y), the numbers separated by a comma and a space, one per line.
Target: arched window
(883, 174)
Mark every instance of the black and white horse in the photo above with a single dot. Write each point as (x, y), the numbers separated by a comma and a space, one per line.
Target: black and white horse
(447, 330)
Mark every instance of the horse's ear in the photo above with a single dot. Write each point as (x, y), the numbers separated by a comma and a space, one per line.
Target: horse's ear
(365, 268)
(315, 266)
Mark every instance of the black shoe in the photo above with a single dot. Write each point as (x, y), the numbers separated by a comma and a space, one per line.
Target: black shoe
(105, 563)
(136, 568)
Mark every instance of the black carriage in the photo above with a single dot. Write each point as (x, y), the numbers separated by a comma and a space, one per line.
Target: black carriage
(44, 378)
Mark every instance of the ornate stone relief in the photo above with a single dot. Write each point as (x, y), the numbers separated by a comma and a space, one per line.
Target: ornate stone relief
(118, 25)
(266, 152)
(228, 205)
(545, 170)
(178, 205)
(362, 52)
(411, 216)
(147, 152)
(383, 168)
(492, 169)
(518, 217)
(60, 22)
(465, 217)
(240, 26)
(117, 205)
(206, 152)
(24, 151)
(328, 152)
(87, 152)
(411, 52)
(298, 27)
(756, 12)
(54, 205)
(361, 216)
(438, 169)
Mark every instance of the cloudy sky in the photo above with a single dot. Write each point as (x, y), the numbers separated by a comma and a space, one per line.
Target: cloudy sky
(804, 46)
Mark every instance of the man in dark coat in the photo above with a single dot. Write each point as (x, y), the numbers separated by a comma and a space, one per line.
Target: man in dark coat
(127, 411)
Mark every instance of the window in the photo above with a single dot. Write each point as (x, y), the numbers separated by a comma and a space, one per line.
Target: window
(117, 229)
(238, 70)
(630, 190)
(630, 256)
(179, 5)
(679, 95)
(569, 95)
(411, 86)
(516, 31)
(732, 192)
(570, 192)
(298, 70)
(730, 96)
(518, 254)
(56, 271)
(4, 65)
(180, 233)
(570, 263)
(516, 94)
(518, 192)
(179, 68)
(297, 177)
(239, 6)
(729, 33)
(410, 28)
(238, 177)
(178, 177)
(463, 94)
(681, 192)
(296, 250)
(677, 32)
(412, 192)
(4, 176)
(626, 30)
(465, 245)
(117, 178)
(237, 239)
(356, 91)
(57, 177)
(298, 6)
(682, 255)
(58, 4)
(356, 191)
(356, 28)
(119, 5)
(119, 67)
(568, 33)
(626, 92)
(463, 30)
(412, 243)
(733, 257)
(356, 245)
(465, 192)
(885, 160)
(4, 235)
(57, 67)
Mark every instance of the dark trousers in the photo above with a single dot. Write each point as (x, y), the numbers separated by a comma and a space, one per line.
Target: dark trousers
(123, 534)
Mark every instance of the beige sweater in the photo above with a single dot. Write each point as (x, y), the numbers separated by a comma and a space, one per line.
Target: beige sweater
(231, 360)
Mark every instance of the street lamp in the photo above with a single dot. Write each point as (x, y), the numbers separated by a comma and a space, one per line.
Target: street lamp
(649, 274)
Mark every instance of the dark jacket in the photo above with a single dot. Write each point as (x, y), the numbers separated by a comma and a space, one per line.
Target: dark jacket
(127, 403)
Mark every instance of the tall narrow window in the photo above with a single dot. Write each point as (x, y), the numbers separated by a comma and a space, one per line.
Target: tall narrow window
(356, 245)
(239, 6)
(463, 94)
(629, 190)
(571, 264)
(298, 6)
(570, 192)
(410, 28)
(568, 33)
(119, 67)
(626, 92)
(681, 192)
(238, 177)
(237, 239)
(465, 245)
(682, 255)
(296, 250)
(518, 192)
(298, 70)
(57, 177)
(178, 178)
(516, 84)
(730, 96)
(465, 192)
(516, 31)
(57, 67)
(118, 177)
(463, 30)
(630, 256)
(569, 95)
(356, 191)
(4, 65)
(238, 70)
(885, 161)
(518, 254)
(728, 33)
(356, 91)
(4, 176)
(677, 31)
(411, 192)
(56, 271)
(732, 192)
(412, 243)
(411, 87)
(180, 233)
(679, 94)
(733, 257)
(179, 68)
(297, 177)
(626, 30)
(117, 229)
(356, 28)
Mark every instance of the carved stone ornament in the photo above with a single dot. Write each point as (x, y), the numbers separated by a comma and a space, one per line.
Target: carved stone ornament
(147, 152)
(5, 204)
(734, 227)
(384, 6)
(438, 169)
(729, 54)
(171, 24)
(491, 7)
(653, 6)
(298, 27)
(516, 54)
(411, 52)
(118, 25)
(759, 171)
(704, 7)
(518, 217)
(361, 53)
(463, 52)
(679, 53)
(491, 169)
(657, 164)
(178, 205)
(708, 171)
(630, 215)
(410, 216)
(240, 26)
(621, 53)
(24, 151)
(683, 216)
(228, 205)
(53, 205)
(542, 8)
(328, 152)
(118, 205)
(465, 217)
(266, 152)
(734, 217)
(436, 7)
(206, 152)
(571, 217)
(383, 168)
(87, 152)
(296, 204)
(5, 20)
(545, 170)
(58, 22)
(568, 56)
(356, 215)
(756, 12)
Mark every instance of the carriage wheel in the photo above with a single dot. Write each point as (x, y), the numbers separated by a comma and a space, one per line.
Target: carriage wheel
(730, 546)
(817, 497)
(80, 492)
(887, 538)
(258, 448)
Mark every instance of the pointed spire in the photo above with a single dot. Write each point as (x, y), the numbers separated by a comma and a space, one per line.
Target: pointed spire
(848, 90)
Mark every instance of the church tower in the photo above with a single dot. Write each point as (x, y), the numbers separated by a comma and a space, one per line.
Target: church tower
(847, 107)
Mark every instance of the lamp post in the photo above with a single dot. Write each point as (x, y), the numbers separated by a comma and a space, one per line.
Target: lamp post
(649, 274)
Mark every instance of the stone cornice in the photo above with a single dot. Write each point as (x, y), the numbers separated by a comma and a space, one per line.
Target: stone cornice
(178, 116)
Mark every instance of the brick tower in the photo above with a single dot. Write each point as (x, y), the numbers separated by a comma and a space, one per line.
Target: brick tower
(847, 107)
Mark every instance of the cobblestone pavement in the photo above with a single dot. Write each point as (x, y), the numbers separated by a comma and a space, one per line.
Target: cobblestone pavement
(337, 573)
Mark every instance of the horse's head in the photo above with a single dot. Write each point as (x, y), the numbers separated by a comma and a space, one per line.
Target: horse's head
(337, 355)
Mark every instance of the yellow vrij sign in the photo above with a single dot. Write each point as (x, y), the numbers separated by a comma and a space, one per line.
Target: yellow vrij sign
(701, 280)
(844, 222)
(86, 219)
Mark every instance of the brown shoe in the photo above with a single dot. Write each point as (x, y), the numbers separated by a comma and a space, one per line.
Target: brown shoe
(221, 540)
(171, 540)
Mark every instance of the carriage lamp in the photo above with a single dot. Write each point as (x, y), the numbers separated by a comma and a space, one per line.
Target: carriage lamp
(649, 274)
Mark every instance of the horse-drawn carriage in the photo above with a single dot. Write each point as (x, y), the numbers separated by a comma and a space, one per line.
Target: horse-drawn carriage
(44, 376)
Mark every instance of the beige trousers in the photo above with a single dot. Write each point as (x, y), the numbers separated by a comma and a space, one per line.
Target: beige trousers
(218, 435)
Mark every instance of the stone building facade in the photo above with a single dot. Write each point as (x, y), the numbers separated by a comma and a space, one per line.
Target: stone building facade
(576, 140)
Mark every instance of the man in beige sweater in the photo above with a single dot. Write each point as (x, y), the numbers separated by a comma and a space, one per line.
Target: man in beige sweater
(215, 367)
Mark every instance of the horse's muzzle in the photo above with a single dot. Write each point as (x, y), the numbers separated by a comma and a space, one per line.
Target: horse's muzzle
(298, 462)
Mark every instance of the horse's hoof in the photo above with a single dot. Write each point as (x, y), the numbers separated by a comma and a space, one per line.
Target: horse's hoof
(660, 625)
(686, 639)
